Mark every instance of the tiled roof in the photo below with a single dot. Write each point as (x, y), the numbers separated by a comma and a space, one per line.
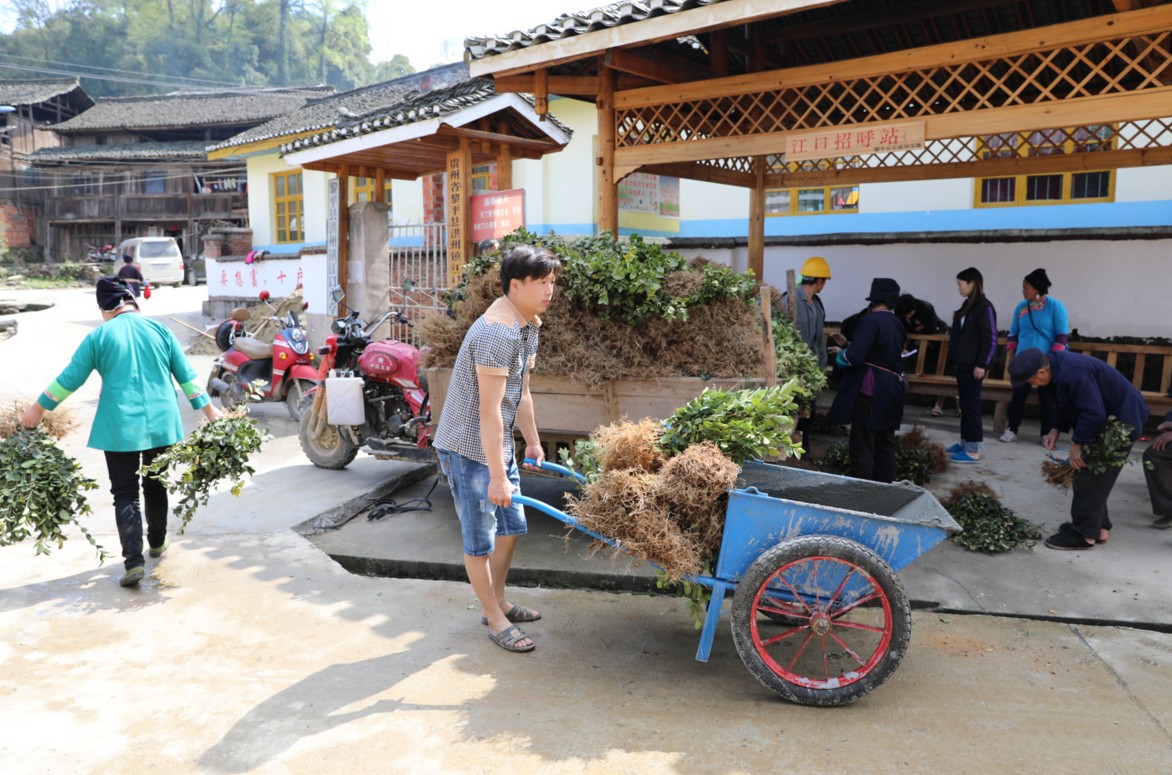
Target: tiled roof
(27, 92)
(324, 113)
(415, 108)
(190, 109)
(184, 150)
(569, 25)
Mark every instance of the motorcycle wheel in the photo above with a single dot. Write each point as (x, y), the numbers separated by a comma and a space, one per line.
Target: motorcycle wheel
(327, 449)
(295, 398)
(235, 395)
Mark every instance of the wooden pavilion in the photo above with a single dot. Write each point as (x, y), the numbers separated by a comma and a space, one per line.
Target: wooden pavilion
(768, 94)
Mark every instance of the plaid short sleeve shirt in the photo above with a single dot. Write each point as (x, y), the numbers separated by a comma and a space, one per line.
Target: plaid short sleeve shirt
(500, 343)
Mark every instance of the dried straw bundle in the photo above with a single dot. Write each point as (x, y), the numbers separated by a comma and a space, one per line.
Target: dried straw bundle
(57, 423)
(628, 445)
(720, 338)
(692, 487)
(621, 505)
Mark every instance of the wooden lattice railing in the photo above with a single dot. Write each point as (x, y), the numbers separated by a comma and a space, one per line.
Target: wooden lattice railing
(1126, 64)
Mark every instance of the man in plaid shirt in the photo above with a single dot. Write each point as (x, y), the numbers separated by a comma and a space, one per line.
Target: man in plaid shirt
(489, 396)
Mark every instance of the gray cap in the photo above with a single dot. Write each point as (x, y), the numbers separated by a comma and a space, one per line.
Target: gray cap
(1025, 365)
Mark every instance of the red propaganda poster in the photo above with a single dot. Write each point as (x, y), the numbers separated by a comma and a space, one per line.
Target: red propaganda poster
(496, 213)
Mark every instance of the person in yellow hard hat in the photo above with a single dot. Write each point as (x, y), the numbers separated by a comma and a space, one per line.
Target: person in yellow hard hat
(810, 321)
(811, 315)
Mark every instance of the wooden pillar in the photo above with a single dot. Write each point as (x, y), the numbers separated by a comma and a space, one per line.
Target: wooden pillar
(718, 52)
(757, 220)
(380, 185)
(608, 203)
(504, 167)
(344, 227)
(459, 169)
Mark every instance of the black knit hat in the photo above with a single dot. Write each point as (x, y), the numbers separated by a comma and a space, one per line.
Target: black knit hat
(1039, 281)
(113, 293)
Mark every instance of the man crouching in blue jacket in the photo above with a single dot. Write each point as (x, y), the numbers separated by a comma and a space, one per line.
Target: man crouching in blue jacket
(1087, 392)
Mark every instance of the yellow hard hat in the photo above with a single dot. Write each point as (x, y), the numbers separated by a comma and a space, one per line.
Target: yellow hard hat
(816, 266)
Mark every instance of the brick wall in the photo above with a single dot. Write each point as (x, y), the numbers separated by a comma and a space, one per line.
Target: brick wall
(433, 199)
(17, 226)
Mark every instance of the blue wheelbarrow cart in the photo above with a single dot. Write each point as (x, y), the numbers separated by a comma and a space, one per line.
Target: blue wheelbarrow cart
(818, 613)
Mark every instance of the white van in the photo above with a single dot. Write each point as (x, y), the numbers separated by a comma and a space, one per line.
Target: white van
(158, 258)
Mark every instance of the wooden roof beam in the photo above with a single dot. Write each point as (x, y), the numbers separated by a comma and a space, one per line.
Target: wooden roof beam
(1037, 165)
(663, 68)
(703, 172)
(568, 85)
(1152, 103)
(497, 137)
(887, 17)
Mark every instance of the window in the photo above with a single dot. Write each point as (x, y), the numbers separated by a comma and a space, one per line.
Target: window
(1050, 188)
(288, 207)
(482, 178)
(363, 191)
(812, 201)
(82, 185)
(154, 182)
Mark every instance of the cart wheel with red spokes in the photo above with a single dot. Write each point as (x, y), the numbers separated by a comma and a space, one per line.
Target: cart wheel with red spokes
(821, 620)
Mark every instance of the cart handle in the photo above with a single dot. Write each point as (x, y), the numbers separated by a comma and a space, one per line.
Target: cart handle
(554, 467)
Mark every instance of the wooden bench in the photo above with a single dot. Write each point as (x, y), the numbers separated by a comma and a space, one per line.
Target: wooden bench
(1149, 367)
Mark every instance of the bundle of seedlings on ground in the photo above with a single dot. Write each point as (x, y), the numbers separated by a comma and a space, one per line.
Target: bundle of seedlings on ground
(917, 439)
(215, 452)
(915, 458)
(42, 490)
(1110, 449)
(988, 526)
(623, 309)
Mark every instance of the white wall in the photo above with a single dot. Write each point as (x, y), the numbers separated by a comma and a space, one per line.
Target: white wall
(260, 199)
(1103, 298)
(1143, 184)
(916, 196)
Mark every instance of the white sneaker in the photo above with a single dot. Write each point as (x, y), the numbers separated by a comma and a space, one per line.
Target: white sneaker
(1008, 436)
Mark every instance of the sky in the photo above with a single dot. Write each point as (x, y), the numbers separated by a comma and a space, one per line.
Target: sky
(431, 32)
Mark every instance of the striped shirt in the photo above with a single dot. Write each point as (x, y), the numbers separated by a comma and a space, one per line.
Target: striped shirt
(499, 343)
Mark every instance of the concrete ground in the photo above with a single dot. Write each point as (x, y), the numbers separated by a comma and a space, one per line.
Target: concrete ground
(248, 649)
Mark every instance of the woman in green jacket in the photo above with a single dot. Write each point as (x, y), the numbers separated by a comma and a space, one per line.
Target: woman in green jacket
(138, 412)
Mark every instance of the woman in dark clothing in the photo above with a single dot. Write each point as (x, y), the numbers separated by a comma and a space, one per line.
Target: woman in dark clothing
(873, 387)
(972, 344)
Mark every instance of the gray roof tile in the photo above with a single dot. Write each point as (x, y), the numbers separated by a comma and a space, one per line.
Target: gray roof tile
(414, 108)
(190, 109)
(322, 114)
(183, 150)
(569, 25)
(34, 92)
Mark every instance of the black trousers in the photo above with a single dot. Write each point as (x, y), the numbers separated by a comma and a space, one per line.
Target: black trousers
(968, 393)
(1048, 408)
(124, 485)
(872, 452)
(1088, 509)
(1158, 472)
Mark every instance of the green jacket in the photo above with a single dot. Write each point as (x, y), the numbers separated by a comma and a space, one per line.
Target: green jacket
(136, 358)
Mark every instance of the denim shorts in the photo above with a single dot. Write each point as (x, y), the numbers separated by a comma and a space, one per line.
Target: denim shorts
(480, 520)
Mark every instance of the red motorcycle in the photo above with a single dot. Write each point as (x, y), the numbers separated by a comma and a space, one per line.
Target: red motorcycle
(252, 369)
(389, 414)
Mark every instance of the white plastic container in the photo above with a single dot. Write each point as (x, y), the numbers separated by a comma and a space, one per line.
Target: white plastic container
(344, 404)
